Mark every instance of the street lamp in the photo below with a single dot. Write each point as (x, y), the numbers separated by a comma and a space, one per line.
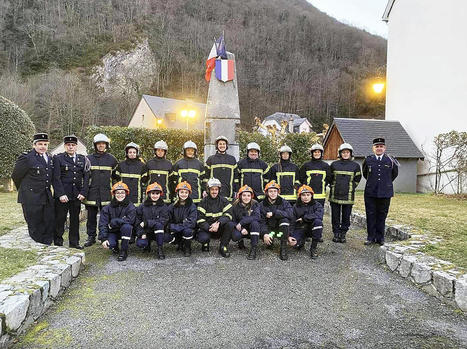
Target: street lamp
(188, 114)
(378, 87)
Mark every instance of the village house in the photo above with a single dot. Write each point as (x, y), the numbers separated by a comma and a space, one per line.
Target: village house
(293, 123)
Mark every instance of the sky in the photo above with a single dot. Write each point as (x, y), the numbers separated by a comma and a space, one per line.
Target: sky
(364, 14)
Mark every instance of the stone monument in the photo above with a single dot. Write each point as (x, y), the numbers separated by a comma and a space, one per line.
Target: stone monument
(222, 113)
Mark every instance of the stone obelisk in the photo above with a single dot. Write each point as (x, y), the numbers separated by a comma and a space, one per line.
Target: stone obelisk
(222, 113)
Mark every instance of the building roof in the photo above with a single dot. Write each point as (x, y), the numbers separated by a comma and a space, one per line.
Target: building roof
(278, 116)
(388, 9)
(298, 122)
(361, 132)
(162, 105)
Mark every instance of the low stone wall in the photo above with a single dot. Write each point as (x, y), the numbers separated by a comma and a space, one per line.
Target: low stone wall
(435, 276)
(27, 295)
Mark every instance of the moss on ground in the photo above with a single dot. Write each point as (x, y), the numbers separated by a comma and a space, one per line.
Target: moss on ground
(42, 336)
(13, 261)
(440, 216)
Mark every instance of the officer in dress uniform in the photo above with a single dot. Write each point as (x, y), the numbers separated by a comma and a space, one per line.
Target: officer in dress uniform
(71, 172)
(33, 176)
(103, 167)
(380, 170)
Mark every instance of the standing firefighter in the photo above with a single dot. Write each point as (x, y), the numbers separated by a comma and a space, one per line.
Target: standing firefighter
(223, 167)
(276, 214)
(116, 221)
(190, 169)
(103, 166)
(316, 173)
(215, 219)
(71, 173)
(253, 171)
(133, 172)
(33, 175)
(345, 176)
(286, 174)
(160, 169)
(307, 220)
(182, 218)
(380, 170)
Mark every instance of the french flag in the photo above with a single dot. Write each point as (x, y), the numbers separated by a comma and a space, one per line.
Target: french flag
(211, 62)
(225, 69)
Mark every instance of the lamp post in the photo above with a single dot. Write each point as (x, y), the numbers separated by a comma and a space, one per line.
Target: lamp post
(188, 114)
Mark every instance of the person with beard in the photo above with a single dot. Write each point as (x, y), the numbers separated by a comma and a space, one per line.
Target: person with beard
(286, 174)
(160, 170)
(191, 170)
(345, 176)
(245, 219)
(33, 175)
(253, 171)
(151, 219)
(276, 214)
(116, 221)
(133, 172)
(182, 218)
(223, 167)
(99, 183)
(214, 216)
(307, 221)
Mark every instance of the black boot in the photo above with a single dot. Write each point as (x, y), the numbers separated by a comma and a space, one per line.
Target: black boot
(90, 241)
(187, 248)
(122, 256)
(342, 238)
(132, 239)
(336, 238)
(283, 250)
(320, 240)
(252, 253)
(160, 252)
(313, 248)
(241, 245)
(147, 249)
(224, 251)
(115, 250)
(205, 247)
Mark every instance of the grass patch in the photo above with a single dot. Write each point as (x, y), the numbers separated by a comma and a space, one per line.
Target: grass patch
(434, 215)
(13, 261)
(11, 214)
(42, 336)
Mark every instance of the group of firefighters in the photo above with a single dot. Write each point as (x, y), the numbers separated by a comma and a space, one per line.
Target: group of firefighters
(221, 199)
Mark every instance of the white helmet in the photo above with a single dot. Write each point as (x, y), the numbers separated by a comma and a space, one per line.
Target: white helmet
(317, 146)
(252, 146)
(190, 144)
(100, 137)
(344, 146)
(222, 138)
(285, 149)
(214, 182)
(132, 145)
(161, 145)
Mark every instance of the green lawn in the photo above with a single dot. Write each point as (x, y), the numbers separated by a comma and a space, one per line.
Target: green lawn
(14, 261)
(11, 214)
(441, 216)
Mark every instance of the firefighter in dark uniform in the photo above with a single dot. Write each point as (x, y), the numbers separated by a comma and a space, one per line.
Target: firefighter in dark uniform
(315, 173)
(345, 176)
(286, 174)
(103, 167)
(33, 176)
(223, 166)
(215, 219)
(160, 170)
(190, 169)
(253, 171)
(71, 173)
(133, 172)
(380, 170)
(276, 214)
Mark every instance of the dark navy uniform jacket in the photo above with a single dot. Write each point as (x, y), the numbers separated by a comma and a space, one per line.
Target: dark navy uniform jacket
(70, 178)
(286, 174)
(133, 173)
(307, 212)
(224, 168)
(114, 215)
(160, 171)
(33, 178)
(243, 216)
(379, 176)
(100, 179)
(281, 209)
(345, 176)
(154, 214)
(316, 174)
(254, 173)
(192, 171)
(182, 216)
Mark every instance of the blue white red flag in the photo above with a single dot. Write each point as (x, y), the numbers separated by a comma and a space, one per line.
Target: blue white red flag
(220, 47)
(211, 62)
(225, 69)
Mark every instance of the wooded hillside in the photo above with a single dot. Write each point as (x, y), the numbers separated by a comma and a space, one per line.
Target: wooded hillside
(290, 57)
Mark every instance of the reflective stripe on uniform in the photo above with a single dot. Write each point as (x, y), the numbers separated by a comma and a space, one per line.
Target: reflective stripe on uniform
(101, 168)
(281, 174)
(130, 175)
(201, 209)
(191, 170)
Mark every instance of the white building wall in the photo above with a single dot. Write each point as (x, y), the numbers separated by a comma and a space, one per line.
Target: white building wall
(143, 116)
(427, 70)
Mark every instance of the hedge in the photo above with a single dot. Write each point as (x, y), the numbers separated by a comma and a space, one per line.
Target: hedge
(16, 131)
(145, 138)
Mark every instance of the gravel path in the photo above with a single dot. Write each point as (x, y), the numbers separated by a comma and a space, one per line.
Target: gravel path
(342, 300)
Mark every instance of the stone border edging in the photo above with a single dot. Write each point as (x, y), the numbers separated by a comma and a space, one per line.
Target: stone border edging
(25, 296)
(435, 276)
